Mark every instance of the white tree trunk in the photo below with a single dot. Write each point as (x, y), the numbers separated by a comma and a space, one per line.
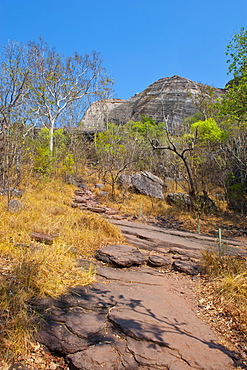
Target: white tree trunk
(51, 137)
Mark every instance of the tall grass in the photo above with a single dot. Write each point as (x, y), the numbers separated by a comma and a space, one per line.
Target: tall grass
(227, 282)
(30, 270)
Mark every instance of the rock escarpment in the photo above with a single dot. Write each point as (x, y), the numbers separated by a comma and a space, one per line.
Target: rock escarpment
(171, 98)
(97, 115)
(174, 98)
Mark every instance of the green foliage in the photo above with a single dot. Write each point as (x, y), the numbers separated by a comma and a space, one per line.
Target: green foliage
(199, 116)
(146, 126)
(236, 193)
(234, 103)
(46, 162)
(68, 164)
(237, 52)
(43, 161)
(208, 130)
(124, 148)
(233, 115)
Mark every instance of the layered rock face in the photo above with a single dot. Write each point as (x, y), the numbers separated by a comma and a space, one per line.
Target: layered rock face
(97, 115)
(171, 98)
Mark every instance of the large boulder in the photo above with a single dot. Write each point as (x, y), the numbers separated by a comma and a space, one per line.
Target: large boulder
(145, 183)
(202, 203)
(121, 255)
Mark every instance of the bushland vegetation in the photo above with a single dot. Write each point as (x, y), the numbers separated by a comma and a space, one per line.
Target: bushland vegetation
(44, 152)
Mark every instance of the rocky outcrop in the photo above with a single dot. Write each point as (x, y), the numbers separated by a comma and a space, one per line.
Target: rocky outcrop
(97, 115)
(182, 200)
(174, 98)
(171, 98)
(85, 199)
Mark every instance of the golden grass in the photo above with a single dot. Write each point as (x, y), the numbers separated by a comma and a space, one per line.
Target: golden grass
(227, 289)
(29, 269)
(47, 210)
(221, 265)
(132, 204)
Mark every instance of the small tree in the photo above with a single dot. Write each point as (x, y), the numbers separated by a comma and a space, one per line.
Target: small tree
(44, 163)
(122, 149)
(187, 148)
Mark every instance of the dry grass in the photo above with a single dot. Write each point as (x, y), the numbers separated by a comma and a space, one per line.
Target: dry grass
(221, 264)
(150, 209)
(226, 289)
(29, 269)
(47, 210)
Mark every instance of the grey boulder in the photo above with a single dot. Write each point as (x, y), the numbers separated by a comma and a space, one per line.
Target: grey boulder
(121, 255)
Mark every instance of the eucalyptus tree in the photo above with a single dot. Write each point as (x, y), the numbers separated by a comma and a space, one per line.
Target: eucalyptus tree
(15, 122)
(59, 83)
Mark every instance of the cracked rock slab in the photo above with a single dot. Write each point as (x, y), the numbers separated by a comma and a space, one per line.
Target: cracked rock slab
(130, 320)
(102, 356)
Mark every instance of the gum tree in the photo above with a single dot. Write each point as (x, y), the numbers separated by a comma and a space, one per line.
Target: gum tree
(15, 122)
(59, 83)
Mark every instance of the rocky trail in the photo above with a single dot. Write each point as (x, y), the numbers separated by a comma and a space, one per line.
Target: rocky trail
(142, 311)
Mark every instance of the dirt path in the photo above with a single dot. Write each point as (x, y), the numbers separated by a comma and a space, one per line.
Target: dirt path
(138, 318)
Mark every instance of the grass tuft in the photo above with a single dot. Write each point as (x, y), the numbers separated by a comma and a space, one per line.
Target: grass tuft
(215, 265)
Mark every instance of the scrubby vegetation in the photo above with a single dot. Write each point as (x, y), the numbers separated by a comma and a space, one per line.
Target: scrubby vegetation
(41, 92)
(31, 270)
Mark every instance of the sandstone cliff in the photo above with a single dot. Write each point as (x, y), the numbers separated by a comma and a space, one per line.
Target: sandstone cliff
(97, 115)
(171, 98)
(174, 98)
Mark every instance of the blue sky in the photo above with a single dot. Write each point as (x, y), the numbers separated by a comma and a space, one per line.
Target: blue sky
(140, 40)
